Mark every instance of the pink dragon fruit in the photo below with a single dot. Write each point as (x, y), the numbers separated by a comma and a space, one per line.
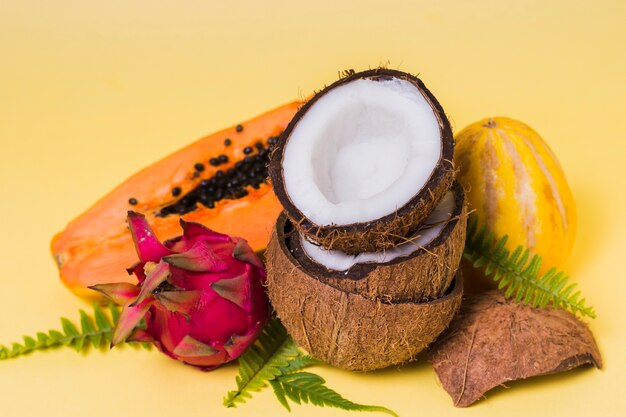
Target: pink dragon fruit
(201, 295)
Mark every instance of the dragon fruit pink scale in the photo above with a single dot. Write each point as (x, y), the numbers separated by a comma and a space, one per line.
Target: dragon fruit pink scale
(201, 295)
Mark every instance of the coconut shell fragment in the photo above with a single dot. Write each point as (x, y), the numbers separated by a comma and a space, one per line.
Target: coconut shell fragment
(357, 132)
(494, 340)
(348, 330)
(425, 274)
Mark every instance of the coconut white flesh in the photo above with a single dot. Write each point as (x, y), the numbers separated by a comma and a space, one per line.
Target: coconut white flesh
(361, 151)
(340, 261)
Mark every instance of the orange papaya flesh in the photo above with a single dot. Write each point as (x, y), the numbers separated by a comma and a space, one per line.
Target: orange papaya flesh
(96, 247)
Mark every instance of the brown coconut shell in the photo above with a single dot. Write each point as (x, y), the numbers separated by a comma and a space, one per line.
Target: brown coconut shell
(348, 330)
(423, 275)
(494, 340)
(387, 231)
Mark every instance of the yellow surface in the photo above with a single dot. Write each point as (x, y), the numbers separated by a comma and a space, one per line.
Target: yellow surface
(92, 91)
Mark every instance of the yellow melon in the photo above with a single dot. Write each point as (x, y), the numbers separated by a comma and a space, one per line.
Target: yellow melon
(516, 186)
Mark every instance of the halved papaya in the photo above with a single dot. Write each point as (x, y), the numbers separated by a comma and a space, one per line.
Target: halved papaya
(219, 181)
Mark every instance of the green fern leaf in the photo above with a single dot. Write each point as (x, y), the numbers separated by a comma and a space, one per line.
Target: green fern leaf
(298, 363)
(94, 332)
(55, 338)
(88, 327)
(518, 276)
(115, 313)
(262, 362)
(275, 360)
(29, 343)
(69, 328)
(305, 387)
(280, 394)
(102, 321)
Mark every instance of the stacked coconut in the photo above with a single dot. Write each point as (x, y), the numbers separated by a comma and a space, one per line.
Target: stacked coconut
(362, 263)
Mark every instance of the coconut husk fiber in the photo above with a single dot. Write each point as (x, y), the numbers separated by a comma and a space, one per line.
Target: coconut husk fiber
(494, 340)
(348, 330)
(423, 275)
(391, 229)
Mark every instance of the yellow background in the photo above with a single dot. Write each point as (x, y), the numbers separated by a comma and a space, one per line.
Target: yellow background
(92, 91)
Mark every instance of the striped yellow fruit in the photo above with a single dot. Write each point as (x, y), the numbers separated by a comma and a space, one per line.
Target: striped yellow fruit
(517, 187)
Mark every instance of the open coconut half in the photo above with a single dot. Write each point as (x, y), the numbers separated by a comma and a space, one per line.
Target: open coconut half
(364, 162)
(420, 269)
(345, 329)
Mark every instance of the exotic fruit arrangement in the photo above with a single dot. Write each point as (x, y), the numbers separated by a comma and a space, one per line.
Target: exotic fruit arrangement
(356, 205)
(362, 264)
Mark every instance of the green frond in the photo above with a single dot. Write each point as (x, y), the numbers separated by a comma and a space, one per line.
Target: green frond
(305, 387)
(298, 363)
(280, 394)
(274, 359)
(517, 273)
(95, 332)
(262, 362)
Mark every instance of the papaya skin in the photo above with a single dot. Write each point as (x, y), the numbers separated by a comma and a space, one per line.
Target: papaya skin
(96, 247)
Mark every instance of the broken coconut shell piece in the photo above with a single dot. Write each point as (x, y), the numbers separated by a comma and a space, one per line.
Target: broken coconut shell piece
(421, 269)
(494, 340)
(348, 330)
(364, 161)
